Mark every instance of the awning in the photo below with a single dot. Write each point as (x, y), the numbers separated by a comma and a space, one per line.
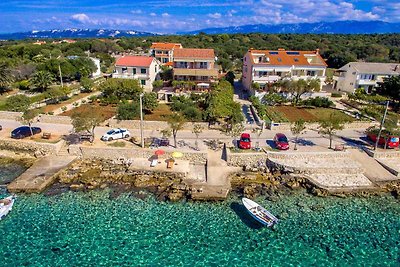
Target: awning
(203, 84)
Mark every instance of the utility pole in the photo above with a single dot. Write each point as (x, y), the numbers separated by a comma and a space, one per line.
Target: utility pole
(59, 69)
(141, 119)
(381, 126)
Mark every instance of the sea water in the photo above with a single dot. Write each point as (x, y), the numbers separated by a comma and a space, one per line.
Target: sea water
(96, 229)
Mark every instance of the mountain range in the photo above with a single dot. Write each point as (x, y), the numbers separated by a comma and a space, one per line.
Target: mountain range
(338, 27)
(74, 33)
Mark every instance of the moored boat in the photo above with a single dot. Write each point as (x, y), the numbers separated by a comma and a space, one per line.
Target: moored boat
(259, 213)
(6, 205)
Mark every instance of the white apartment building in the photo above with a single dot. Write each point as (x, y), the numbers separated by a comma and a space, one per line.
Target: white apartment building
(366, 75)
(266, 67)
(143, 68)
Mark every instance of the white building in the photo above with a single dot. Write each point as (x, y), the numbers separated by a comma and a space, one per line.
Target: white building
(266, 67)
(96, 62)
(143, 68)
(355, 75)
(164, 52)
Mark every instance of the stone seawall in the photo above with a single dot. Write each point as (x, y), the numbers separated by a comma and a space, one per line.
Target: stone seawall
(285, 126)
(127, 153)
(31, 147)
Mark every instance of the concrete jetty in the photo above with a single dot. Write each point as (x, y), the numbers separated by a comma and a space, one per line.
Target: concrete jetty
(40, 175)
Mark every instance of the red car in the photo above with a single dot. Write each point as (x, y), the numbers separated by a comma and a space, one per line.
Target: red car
(245, 142)
(281, 141)
(392, 141)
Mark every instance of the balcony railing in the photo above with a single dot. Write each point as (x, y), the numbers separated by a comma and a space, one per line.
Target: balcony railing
(130, 75)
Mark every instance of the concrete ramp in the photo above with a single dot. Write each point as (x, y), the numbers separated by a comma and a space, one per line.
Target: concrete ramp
(40, 175)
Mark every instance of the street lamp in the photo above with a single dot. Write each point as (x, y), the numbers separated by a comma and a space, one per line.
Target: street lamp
(381, 126)
(141, 119)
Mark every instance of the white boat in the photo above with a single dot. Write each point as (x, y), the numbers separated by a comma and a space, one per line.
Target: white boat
(259, 213)
(6, 205)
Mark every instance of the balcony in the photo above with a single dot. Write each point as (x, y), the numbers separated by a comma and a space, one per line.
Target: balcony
(366, 82)
(269, 78)
(130, 76)
(196, 72)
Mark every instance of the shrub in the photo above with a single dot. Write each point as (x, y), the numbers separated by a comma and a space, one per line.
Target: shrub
(319, 102)
(23, 85)
(336, 94)
(128, 111)
(63, 108)
(192, 114)
(117, 144)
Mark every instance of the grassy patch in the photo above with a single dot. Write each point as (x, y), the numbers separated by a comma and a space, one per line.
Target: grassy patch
(117, 144)
(107, 111)
(49, 141)
(49, 108)
(292, 114)
(161, 113)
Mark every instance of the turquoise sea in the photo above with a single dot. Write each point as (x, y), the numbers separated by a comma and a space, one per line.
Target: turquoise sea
(97, 229)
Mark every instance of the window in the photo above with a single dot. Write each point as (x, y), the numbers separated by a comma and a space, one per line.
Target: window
(124, 69)
(296, 59)
(143, 71)
(143, 82)
(311, 73)
(134, 70)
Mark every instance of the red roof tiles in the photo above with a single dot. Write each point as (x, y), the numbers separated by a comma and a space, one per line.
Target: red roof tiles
(289, 58)
(194, 53)
(165, 46)
(134, 61)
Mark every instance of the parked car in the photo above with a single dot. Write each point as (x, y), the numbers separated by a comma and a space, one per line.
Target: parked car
(391, 140)
(281, 141)
(24, 131)
(245, 141)
(117, 133)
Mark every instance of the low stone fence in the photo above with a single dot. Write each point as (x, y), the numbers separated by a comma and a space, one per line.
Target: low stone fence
(54, 119)
(9, 115)
(285, 126)
(197, 157)
(147, 125)
(31, 147)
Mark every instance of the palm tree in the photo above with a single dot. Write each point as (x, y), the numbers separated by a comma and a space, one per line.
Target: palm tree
(42, 80)
(5, 76)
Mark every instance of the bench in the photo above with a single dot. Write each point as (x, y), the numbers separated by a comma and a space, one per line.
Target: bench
(340, 148)
(46, 135)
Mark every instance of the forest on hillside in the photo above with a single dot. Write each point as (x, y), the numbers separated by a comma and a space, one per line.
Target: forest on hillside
(24, 58)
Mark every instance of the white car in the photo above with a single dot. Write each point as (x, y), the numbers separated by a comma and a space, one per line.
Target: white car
(117, 133)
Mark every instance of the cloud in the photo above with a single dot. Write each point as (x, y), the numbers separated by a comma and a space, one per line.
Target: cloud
(165, 15)
(138, 11)
(215, 15)
(153, 14)
(82, 18)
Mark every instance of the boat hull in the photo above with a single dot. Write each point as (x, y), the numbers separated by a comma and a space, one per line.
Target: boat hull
(5, 209)
(259, 213)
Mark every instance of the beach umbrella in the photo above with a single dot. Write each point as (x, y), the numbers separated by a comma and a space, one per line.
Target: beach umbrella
(177, 154)
(159, 152)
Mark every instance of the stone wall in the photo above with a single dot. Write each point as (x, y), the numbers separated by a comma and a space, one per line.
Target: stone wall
(147, 125)
(54, 119)
(8, 115)
(31, 147)
(285, 126)
(116, 153)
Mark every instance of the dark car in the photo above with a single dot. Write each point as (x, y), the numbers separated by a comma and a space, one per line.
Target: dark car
(281, 141)
(24, 131)
(245, 142)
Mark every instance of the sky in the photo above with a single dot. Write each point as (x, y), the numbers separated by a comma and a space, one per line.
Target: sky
(163, 16)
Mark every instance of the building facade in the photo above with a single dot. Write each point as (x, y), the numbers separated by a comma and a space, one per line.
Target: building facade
(266, 67)
(365, 75)
(164, 52)
(195, 65)
(143, 68)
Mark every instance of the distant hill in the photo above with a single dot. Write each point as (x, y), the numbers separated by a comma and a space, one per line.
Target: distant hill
(338, 27)
(74, 33)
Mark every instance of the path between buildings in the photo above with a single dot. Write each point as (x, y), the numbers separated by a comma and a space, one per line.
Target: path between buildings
(373, 170)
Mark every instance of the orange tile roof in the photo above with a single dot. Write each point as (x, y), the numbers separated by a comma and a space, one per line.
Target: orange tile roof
(289, 58)
(194, 53)
(134, 61)
(165, 46)
(169, 64)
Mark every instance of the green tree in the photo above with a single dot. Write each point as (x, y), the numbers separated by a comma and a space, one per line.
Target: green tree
(176, 123)
(297, 129)
(121, 89)
(87, 84)
(28, 117)
(197, 130)
(18, 103)
(42, 80)
(87, 121)
(230, 77)
(391, 88)
(150, 102)
(158, 84)
(6, 77)
(128, 110)
(330, 126)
